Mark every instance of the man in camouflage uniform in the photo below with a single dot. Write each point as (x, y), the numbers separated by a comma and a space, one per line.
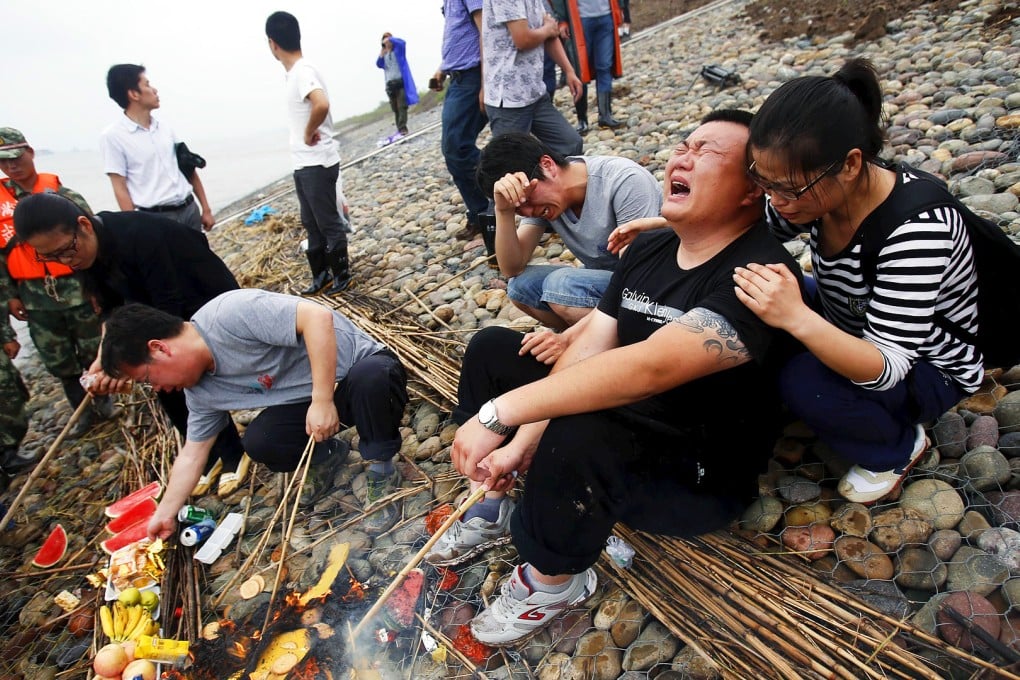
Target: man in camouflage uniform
(13, 396)
(61, 319)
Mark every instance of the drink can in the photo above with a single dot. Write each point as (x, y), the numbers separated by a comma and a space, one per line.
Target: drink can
(192, 514)
(197, 533)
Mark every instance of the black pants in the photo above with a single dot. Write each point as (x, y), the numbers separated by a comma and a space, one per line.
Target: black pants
(398, 103)
(372, 398)
(227, 446)
(315, 186)
(595, 469)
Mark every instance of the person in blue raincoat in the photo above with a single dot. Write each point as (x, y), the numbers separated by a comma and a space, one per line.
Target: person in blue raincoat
(400, 87)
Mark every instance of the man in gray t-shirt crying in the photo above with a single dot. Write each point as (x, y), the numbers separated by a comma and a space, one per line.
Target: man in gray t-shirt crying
(584, 199)
(249, 349)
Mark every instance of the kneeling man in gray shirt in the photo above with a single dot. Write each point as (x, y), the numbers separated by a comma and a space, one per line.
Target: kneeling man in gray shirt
(249, 349)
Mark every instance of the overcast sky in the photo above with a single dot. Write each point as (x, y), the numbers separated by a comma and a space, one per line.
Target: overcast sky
(208, 59)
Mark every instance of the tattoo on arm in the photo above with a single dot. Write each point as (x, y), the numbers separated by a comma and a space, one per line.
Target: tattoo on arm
(721, 337)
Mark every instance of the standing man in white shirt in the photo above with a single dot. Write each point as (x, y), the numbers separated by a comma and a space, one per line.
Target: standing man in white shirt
(315, 157)
(140, 155)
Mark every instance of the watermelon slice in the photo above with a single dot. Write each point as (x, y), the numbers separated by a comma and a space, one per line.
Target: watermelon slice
(133, 533)
(143, 509)
(400, 608)
(118, 508)
(53, 548)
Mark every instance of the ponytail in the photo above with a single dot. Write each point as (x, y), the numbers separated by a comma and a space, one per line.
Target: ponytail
(814, 121)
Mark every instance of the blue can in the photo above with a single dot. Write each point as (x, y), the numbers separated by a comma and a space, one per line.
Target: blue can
(198, 532)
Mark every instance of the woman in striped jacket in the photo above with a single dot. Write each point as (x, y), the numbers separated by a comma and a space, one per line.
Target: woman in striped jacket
(878, 365)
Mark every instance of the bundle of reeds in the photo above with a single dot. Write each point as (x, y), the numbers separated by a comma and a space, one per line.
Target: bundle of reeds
(758, 615)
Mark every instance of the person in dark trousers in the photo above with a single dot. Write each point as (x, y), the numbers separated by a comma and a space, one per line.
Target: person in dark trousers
(315, 158)
(400, 88)
(879, 363)
(133, 257)
(588, 30)
(463, 111)
(627, 425)
(254, 349)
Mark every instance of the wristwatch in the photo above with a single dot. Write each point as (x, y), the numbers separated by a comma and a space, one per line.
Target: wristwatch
(490, 420)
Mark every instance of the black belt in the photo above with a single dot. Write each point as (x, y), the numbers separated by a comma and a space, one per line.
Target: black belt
(170, 208)
(457, 75)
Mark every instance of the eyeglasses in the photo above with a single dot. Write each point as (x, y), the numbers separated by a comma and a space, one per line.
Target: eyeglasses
(787, 193)
(61, 253)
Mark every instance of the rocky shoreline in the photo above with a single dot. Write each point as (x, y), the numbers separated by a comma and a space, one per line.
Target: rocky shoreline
(954, 108)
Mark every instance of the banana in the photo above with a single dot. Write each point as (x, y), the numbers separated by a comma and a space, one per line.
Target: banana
(106, 619)
(140, 627)
(133, 617)
(119, 621)
(153, 628)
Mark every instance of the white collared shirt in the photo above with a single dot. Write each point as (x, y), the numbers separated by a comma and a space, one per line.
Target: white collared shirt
(147, 160)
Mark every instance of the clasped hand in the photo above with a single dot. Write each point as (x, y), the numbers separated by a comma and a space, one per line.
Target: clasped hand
(477, 454)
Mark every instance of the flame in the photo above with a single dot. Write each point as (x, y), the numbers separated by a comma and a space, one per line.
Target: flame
(307, 670)
(238, 650)
(355, 593)
(448, 579)
(466, 643)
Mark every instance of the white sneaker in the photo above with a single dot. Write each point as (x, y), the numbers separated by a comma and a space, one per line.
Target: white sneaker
(864, 486)
(519, 612)
(464, 540)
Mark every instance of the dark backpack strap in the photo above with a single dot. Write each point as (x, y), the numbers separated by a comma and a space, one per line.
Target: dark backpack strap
(925, 193)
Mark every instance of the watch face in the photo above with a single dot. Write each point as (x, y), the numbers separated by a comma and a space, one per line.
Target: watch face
(487, 413)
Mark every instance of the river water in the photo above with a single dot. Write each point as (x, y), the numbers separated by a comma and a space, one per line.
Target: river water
(236, 168)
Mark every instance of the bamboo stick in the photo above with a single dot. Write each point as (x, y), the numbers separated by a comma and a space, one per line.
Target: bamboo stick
(419, 556)
(303, 464)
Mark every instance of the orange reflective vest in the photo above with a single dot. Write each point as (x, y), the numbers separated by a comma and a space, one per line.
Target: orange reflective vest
(21, 260)
(584, 73)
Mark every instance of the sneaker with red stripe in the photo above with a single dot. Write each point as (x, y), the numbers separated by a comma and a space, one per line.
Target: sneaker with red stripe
(520, 611)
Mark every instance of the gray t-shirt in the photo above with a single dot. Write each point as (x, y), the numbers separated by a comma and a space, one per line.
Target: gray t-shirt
(260, 360)
(619, 190)
(592, 8)
(391, 67)
(513, 78)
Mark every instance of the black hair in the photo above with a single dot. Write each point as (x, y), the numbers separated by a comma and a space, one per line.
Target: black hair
(121, 79)
(513, 152)
(738, 116)
(814, 121)
(283, 29)
(128, 332)
(46, 212)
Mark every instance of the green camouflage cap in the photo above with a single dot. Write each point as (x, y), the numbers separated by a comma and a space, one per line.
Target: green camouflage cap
(12, 143)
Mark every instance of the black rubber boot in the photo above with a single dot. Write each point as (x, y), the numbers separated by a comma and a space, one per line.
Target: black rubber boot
(606, 120)
(581, 109)
(320, 272)
(341, 266)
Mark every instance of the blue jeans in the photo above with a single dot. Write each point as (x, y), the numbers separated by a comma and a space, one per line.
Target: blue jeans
(315, 186)
(462, 121)
(873, 428)
(541, 119)
(599, 33)
(540, 284)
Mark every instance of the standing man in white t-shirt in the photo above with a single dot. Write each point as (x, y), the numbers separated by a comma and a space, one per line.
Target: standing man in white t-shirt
(140, 155)
(315, 157)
